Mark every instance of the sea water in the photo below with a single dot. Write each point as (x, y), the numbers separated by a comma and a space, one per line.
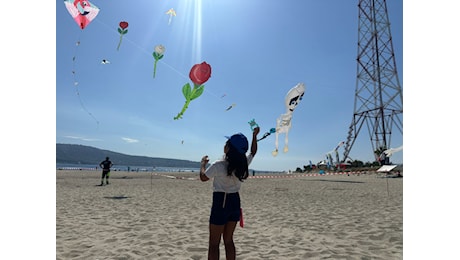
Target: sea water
(93, 167)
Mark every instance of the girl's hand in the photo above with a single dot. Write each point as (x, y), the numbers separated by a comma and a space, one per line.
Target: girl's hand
(204, 160)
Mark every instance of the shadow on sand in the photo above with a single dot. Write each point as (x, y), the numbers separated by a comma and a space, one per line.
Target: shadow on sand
(117, 197)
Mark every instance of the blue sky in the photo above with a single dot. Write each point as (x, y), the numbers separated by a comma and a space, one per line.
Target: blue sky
(258, 51)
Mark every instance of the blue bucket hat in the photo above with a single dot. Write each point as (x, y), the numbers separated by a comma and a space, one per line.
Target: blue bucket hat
(240, 142)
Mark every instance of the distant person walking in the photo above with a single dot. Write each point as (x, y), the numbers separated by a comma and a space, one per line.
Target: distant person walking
(105, 165)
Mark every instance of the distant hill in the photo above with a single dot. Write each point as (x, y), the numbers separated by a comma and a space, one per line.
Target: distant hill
(81, 154)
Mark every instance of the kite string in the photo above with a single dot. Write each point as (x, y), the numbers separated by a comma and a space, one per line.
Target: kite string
(149, 54)
(75, 82)
(140, 48)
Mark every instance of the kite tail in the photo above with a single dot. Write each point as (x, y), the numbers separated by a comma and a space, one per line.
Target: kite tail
(75, 81)
(84, 108)
(179, 116)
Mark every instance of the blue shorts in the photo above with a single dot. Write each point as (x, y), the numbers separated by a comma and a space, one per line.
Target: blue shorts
(225, 208)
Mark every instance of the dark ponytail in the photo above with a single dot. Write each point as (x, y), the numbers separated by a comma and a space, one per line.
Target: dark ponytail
(237, 163)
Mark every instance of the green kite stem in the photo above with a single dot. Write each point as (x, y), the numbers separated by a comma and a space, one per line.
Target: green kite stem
(155, 68)
(179, 116)
(121, 37)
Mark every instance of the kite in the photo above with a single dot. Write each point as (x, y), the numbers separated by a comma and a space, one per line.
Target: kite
(391, 151)
(83, 12)
(388, 153)
(230, 107)
(283, 123)
(157, 55)
(272, 130)
(105, 61)
(223, 95)
(253, 124)
(199, 74)
(122, 30)
(171, 13)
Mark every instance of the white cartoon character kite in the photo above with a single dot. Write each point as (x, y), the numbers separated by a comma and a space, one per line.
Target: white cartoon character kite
(283, 123)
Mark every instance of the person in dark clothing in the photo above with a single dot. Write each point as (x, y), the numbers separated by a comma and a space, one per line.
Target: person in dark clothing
(105, 165)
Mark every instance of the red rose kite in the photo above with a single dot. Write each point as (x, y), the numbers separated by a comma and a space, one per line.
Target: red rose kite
(199, 74)
(122, 30)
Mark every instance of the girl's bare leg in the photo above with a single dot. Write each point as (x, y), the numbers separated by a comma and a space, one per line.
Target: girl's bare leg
(230, 251)
(215, 233)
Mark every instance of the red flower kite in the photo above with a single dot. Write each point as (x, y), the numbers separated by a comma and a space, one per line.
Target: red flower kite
(199, 74)
(122, 30)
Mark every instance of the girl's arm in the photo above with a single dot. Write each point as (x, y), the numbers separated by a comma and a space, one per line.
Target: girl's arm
(204, 162)
(254, 141)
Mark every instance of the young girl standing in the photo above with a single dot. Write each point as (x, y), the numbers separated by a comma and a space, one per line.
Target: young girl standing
(227, 174)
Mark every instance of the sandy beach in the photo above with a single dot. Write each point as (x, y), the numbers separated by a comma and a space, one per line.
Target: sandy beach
(143, 215)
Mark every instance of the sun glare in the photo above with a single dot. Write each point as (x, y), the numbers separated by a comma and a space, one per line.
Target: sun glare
(192, 10)
(197, 30)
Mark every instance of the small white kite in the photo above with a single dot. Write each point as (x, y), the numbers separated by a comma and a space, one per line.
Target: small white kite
(283, 123)
(391, 151)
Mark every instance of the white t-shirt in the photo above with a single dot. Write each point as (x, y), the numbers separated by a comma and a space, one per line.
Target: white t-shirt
(222, 182)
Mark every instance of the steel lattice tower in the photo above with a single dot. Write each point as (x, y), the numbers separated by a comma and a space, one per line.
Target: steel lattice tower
(378, 96)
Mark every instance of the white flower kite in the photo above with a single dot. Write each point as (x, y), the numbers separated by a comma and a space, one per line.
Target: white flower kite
(157, 55)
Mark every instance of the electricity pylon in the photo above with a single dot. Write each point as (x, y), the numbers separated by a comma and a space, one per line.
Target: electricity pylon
(378, 96)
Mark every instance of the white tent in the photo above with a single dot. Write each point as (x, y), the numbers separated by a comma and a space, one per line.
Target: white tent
(386, 168)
